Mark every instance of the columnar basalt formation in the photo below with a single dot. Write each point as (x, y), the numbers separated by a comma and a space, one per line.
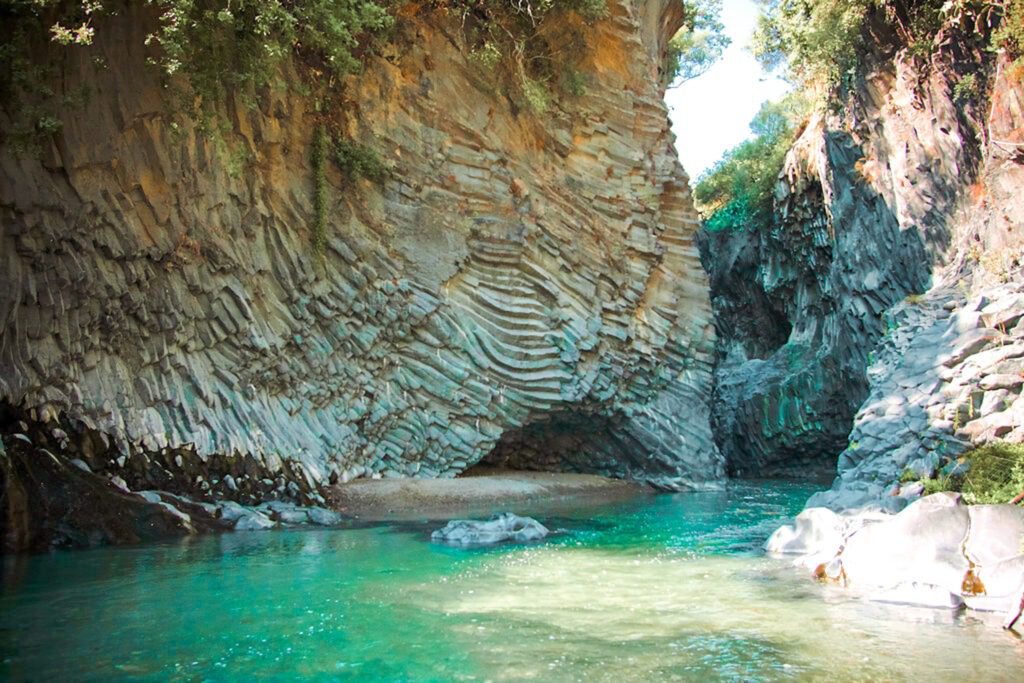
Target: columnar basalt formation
(165, 313)
(870, 205)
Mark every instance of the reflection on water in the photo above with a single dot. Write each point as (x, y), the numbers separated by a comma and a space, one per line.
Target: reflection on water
(665, 588)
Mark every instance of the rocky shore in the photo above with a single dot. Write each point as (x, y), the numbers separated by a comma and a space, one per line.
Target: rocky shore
(938, 552)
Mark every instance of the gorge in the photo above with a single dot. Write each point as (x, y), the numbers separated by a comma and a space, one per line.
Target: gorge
(234, 304)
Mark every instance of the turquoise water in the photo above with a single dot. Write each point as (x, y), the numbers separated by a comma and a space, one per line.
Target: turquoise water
(670, 587)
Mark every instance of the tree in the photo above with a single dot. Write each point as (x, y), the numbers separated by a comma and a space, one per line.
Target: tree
(699, 43)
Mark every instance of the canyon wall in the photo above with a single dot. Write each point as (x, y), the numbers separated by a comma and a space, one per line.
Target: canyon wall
(525, 286)
(904, 187)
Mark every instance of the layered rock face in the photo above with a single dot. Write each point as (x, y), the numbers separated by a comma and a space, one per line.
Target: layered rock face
(947, 374)
(165, 313)
(873, 205)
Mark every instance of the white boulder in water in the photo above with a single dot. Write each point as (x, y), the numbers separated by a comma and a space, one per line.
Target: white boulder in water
(503, 527)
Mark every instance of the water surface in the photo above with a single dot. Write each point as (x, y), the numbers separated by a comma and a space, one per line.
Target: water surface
(669, 587)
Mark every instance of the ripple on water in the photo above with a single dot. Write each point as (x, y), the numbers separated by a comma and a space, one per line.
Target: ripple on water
(663, 588)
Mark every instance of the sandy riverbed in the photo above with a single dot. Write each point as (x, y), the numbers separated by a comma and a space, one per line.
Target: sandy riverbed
(480, 492)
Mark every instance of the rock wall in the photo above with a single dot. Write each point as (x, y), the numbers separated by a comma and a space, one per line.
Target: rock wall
(869, 208)
(165, 314)
(947, 375)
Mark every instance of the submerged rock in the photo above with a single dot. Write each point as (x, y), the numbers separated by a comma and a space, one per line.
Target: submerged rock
(500, 528)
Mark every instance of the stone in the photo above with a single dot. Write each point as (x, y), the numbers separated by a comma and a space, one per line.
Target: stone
(922, 544)
(996, 533)
(253, 521)
(919, 595)
(816, 532)
(498, 529)
(80, 464)
(1002, 580)
(230, 511)
(996, 381)
(323, 517)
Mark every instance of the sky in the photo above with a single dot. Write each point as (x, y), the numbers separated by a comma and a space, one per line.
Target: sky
(712, 113)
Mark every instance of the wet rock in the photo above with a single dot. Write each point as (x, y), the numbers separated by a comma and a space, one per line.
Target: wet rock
(323, 517)
(48, 502)
(498, 529)
(251, 520)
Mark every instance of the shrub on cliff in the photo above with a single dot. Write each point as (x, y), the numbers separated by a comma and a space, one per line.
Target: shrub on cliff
(736, 193)
(994, 474)
(206, 48)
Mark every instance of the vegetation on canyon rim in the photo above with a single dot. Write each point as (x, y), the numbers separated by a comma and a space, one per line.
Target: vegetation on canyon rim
(816, 45)
(204, 49)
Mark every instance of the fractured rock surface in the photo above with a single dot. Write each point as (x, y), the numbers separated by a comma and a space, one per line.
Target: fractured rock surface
(874, 204)
(160, 292)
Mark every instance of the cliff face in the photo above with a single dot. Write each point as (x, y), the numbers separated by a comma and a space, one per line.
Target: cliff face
(516, 276)
(884, 198)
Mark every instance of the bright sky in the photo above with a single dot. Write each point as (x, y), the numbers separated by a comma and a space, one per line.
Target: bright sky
(712, 113)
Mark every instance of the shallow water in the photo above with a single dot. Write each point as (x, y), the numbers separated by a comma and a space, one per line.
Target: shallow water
(670, 587)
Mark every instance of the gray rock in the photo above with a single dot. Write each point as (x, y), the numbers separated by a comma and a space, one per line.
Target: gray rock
(80, 464)
(230, 511)
(500, 528)
(253, 521)
(251, 349)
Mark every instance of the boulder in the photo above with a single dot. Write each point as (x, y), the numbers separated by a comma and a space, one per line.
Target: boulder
(921, 545)
(253, 521)
(500, 528)
(996, 533)
(323, 516)
(816, 533)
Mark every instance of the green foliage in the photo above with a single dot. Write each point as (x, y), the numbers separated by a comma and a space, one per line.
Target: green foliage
(736, 193)
(226, 45)
(359, 161)
(1010, 34)
(966, 89)
(573, 82)
(355, 161)
(318, 158)
(699, 43)
(531, 59)
(816, 41)
(995, 474)
(535, 94)
(205, 48)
